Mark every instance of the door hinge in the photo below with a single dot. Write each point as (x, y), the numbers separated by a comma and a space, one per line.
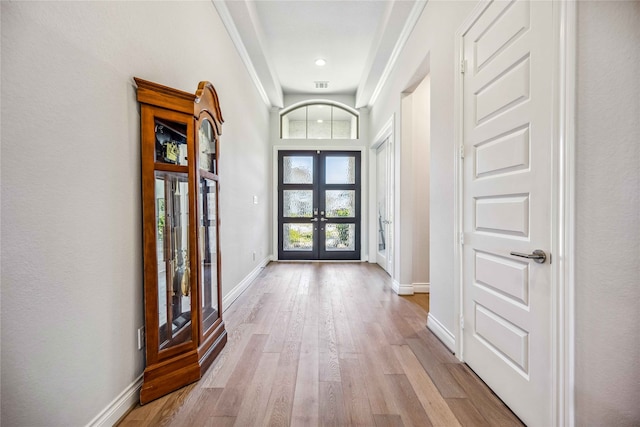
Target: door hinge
(461, 322)
(462, 151)
(461, 238)
(463, 66)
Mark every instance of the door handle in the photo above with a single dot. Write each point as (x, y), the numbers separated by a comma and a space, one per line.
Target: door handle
(323, 219)
(538, 256)
(314, 219)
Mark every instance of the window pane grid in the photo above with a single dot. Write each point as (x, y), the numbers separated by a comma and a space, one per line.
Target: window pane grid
(319, 121)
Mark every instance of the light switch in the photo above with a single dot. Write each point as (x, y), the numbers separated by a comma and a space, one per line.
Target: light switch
(255, 200)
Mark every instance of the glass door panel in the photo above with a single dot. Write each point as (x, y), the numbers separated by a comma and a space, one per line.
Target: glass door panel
(340, 169)
(318, 205)
(208, 254)
(174, 274)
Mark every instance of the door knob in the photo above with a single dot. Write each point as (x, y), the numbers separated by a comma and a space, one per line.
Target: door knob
(538, 256)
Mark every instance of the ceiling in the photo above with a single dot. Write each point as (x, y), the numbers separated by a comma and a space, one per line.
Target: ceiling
(280, 40)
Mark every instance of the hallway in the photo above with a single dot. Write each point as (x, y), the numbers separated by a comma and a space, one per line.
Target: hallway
(328, 344)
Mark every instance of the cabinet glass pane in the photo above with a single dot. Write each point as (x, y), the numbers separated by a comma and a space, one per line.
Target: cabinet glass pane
(340, 203)
(297, 169)
(207, 218)
(206, 147)
(340, 170)
(297, 203)
(171, 142)
(297, 237)
(174, 274)
(340, 237)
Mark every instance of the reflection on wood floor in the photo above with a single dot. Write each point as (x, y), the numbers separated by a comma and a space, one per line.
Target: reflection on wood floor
(329, 344)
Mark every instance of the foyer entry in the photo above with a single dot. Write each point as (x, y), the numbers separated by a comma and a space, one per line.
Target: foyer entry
(319, 205)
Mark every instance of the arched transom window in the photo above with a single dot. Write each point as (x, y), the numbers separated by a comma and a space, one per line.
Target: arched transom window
(319, 120)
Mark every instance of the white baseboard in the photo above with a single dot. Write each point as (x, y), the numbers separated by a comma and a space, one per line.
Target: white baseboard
(421, 288)
(244, 284)
(401, 289)
(119, 406)
(441, 332)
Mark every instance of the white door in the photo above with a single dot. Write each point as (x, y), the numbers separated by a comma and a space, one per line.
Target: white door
(383, 206)
(507, 203)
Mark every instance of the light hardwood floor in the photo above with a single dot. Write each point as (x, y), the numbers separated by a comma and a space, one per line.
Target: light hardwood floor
(329, 344)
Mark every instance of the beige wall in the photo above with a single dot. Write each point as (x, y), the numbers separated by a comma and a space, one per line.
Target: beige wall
(71, 215)
(608, 214)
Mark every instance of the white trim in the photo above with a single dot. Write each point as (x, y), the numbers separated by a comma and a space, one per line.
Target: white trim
(384, 134)
(244, 284)
(563, 210)
(411, 22)
(441, 332)
(319, 101)
(401, 289)
(421, 288)
(458, 195)
(227, 20)
(563, 266)
(120, 406)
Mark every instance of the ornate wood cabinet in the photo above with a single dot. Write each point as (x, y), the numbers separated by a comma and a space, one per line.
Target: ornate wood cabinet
(184, 331)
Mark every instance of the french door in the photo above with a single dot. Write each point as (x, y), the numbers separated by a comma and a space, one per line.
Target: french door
(319, 205)
(383, 206)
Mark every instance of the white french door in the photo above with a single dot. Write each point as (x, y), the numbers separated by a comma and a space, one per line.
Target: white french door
(383, 206)
(507, 135)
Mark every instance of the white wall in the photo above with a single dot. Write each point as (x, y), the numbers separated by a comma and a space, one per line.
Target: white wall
(412, 191)
(71, 214)
(430, 49)
(608, 214)
(420, 159)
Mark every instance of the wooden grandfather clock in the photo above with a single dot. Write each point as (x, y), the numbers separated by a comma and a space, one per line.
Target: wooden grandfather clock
(184, 331)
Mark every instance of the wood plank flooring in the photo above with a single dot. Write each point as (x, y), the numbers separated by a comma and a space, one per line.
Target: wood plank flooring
(314, 344)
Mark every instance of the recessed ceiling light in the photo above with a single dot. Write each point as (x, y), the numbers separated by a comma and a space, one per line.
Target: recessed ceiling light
(320, 120)
(320, 62)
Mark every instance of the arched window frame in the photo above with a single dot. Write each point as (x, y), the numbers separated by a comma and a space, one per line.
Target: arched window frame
(315, 102)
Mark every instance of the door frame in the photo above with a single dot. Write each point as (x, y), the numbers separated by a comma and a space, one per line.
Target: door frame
(563, 205)
(387, 132)
(364, 182)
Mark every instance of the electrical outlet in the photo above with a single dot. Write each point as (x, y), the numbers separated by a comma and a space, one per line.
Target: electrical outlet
(255, 200)
(140, 337)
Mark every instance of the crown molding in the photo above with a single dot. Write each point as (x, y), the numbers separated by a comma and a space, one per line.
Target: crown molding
(229, 24)
(412, 20)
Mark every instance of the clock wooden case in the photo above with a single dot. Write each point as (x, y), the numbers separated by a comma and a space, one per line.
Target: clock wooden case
(184, 330)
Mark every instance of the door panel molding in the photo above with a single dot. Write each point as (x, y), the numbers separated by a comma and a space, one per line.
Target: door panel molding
(562, 209)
